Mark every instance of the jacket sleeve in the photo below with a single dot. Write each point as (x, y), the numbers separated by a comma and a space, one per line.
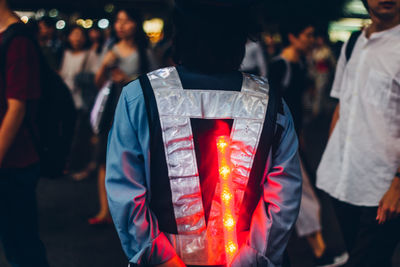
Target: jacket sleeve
(278, 208)
(127, 182)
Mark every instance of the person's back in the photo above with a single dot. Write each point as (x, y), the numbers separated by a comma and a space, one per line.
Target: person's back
(190, 176)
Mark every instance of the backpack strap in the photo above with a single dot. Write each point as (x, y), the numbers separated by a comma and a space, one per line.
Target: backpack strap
(351, 43)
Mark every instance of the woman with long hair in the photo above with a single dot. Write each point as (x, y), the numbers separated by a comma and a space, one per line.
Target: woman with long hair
(125, 61)
(130, 56)
(74, 61)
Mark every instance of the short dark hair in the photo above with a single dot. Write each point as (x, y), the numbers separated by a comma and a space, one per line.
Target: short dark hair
(49, 22)
(293, 27)
(212, 40)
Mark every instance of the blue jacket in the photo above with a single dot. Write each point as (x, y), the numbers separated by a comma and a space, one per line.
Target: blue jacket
(129, 193)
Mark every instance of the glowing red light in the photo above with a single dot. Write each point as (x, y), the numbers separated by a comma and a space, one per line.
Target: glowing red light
(231, 248)
(222, 144)
(227, 198)
(229, 222)
(224, 171)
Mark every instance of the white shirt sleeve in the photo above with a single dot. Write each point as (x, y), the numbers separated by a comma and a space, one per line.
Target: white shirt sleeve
(340, 68)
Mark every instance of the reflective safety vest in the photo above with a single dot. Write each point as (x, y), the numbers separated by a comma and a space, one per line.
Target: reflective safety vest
(208, 156)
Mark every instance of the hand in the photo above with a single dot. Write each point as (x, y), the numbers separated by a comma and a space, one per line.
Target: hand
(110, 59)
(174, 262)
(118, 76)
(389, 206)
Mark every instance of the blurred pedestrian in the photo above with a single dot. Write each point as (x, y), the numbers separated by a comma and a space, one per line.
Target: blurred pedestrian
(167, 184)
(96, 40)
(75, 61)
(84, 81)
(74, 67)
(20, 91)
(361, 164)
(254, 61)
(51, 45)
(130, 56)
(271, 48)
(126, 60)
(289, 73)
(323, 67)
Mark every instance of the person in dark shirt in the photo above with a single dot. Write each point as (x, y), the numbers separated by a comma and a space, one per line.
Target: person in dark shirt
(288, 71)
(289, 74)
(51, 46)
(19, 162)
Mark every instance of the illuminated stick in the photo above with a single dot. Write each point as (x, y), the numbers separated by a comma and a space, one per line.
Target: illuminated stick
(227, 198)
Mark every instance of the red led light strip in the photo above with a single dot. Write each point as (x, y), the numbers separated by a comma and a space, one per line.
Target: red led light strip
(227, 198)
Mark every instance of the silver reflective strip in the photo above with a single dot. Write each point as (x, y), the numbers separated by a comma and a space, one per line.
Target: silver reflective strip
(194, 243)
(180, 155)
(245, 136)
(167, 78)
(211, 104)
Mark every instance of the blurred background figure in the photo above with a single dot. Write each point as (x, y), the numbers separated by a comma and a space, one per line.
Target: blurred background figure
(96, 50)
(271, 48)
(51, 45)
(125, 61)
(85, 82)
(75, 65)
(289, 73)
(74, 61)
(254, 61)
(323, 67)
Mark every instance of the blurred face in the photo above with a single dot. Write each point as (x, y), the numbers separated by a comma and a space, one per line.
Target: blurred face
(304, 41)
(124, 26)
(94, 35)
(384, 9)
(77, 39)
(45, 32)
(319, 41)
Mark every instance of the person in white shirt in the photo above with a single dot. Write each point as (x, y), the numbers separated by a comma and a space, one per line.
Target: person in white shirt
(254, 60)
(360, 166)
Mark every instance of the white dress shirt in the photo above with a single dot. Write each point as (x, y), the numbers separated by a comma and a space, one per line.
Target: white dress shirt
(363, 153)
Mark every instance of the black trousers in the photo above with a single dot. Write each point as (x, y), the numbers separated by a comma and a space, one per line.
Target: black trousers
(368, 243)
(18, 217)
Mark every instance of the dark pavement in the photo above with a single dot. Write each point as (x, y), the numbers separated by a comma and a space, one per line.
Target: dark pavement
(65, 206)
